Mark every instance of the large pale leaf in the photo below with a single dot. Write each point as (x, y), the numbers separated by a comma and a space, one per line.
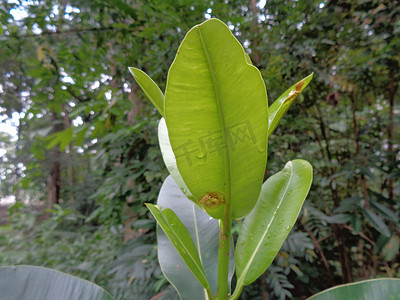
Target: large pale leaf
(181, 239)
(29, 282)
(170, 161)
(265, 229)
(281, 105)
(375, 289)
(150, 88)
(203, 230)
(217, 117)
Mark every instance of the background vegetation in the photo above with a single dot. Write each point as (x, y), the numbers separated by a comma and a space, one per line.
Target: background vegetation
(85, 158)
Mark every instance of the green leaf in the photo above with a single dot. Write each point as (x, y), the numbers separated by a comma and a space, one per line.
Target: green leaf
(391, 249)
(265, 229)
(150, 88)
(384, 288)
(376, 222)
(170, 161)
(217, 117)
(203, 230)
(29, 282)
(181, 239)
(281, 105)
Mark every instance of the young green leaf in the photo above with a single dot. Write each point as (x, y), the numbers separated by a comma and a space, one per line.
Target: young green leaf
(267, 226)
(30, 282)
(217, 117)
(281, 105)
(384, 288)
(150, 88)
(204, 232)
(181, 239)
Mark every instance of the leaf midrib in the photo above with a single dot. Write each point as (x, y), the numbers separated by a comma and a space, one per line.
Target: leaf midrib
(221, 115)
(243, 275)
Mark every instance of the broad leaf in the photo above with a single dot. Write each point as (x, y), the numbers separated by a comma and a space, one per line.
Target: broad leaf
(204, 232)
(216, 112)
(170, 161)
(150, 88)
(181, 239)
(281, 105)
(29, 282)
(265, 229)
(385, 288)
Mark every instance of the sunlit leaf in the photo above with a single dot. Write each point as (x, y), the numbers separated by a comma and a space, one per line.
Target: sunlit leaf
(150, 88)
(181, 239)
(267, 226)
(217, 117)
(203, 230)
(281, 105)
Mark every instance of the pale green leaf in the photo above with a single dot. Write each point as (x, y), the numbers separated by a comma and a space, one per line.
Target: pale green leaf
(181, 239)
(170, 161)
(203, 230)
(265, 229)
(281, 105)
(29, 282)
(217, 117)
(384, 288)
(150, 88)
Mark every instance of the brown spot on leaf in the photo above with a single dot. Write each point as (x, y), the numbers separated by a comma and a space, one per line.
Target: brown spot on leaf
(299, 86)
(212, 200)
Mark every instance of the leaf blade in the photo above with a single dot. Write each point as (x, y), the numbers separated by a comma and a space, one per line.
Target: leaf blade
(150, 88)
(384, 288)
(180, 237)
(31, 282)
(281, 105)
(216, 112)
(280, 202)
(203, 230)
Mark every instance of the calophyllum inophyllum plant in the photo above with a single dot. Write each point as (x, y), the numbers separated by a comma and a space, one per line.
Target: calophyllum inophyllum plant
(213, 136)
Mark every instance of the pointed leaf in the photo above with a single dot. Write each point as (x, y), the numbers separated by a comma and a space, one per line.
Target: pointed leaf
(180, 237)
(150, 88)
(203, 230)
(267, 226)
(170, 161)
(29, 282)
(281, 105)
(384, 288)
(376, 222)
(391, 249)
(217, 117)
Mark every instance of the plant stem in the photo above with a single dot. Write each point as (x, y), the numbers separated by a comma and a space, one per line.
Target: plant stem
(210, 294)
(238, 291)
(223, 253)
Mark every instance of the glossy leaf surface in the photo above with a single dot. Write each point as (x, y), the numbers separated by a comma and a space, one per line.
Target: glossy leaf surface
(150, 88)
(281, 105)
(386, 288)
(181, 239)
(267, 226)
(204, 232)
(29, 282)
(217, 117)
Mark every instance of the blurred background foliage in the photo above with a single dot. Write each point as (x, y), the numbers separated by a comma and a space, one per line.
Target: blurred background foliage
(79, 152)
